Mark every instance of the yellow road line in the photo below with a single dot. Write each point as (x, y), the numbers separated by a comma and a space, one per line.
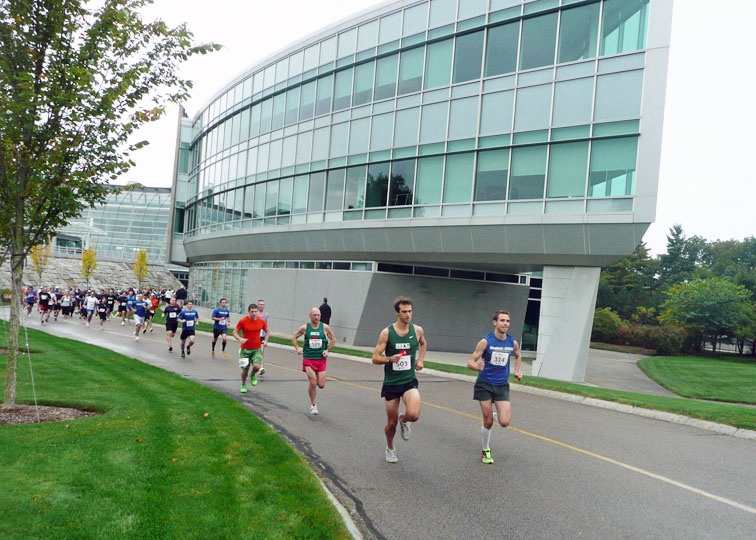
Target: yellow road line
(638, 470)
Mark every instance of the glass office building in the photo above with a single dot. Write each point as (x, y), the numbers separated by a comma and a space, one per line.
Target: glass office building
(478, 136)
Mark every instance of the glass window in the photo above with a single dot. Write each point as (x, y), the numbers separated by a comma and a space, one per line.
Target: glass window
(405, 131)
(274, 159)
(320, 140)
(578, 32)
(468, 57)
(271, 199)
(415, 20)
(491, 178)
(335, 189)
(347, 43)
(311, 57)
(528, 172)
(367, 36)
(613, 167)
(259, 207)
(292, 106)
(411, 70)
(339, 134)
(342, 93)
(316, 192)
(249, 196)
(363, 84)
(304, 147)
(325, 91)
(358, 136)
(385, 77)
(471, 8)
(442, 12)
(262, 157)
(568, 164)
(438, 64)
(538, 41)
(573, 101)
(244, 127)
(254, 129)
(623, 27)
(307, 105)
(295, 64)
(257, 82)
(501, 49)
(463, 118)
(402, 182)
(377, 185)
(433, 123)
(618, 96)
(266, 112)
(269, 76)
(328, 51)
(429, 174)
(354, 196)
(282, 70)
(299, 198)
(391, 27)
(289, 151)
(380, 131)
(252, 161)
(533, 107)
(458, 177)
(279, 106)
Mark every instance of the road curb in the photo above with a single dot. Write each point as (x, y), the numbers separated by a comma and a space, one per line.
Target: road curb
(343, 512)
(664, 416)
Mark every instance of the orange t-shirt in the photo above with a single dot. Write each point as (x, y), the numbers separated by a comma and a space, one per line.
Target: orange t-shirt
(155, 303)
(251, 331)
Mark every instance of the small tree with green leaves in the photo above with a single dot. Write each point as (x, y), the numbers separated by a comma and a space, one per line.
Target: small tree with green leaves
(88, 263)
(40, 258)
(141, 266)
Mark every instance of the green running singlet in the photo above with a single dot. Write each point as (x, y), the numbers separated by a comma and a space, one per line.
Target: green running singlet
(402, 371)
(315, 342)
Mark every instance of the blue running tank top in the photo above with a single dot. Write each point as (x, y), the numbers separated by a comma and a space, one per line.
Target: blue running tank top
(497, 360)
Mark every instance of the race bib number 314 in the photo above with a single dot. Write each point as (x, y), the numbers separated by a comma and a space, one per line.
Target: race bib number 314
(499, 358)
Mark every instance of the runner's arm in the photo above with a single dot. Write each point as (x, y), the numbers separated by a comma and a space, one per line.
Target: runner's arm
(423, 347)
(518, 361)
(238, 337)
(380, 349)
(331, 339)
(295, 337)
(474, 361)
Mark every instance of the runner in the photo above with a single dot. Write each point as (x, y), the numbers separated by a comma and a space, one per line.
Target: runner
(123, 301)
(171, 312)
(67, 304)
(401, 349)
(140, 312)
(221, 321)
(90, 305)
(318, 342)
(264, 316)
(102, 311)
(56, 305)
(31, 298)
(130, 300)
(251, 346)
(111, 300)
(152, 304)
(189, 318)
(44, 305)
(491, 359)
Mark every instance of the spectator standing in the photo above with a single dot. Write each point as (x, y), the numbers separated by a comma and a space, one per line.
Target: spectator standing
(325, 312)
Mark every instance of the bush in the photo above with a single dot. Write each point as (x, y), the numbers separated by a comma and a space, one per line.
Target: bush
(606, 326)
(667, 340)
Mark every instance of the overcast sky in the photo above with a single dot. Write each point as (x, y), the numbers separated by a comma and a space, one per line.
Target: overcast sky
(707, 179)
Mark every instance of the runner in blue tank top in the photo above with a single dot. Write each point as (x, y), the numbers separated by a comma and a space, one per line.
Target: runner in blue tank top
(492, 360)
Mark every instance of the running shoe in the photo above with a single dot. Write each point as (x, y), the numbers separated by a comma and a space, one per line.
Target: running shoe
(225, 355)
(152, 329)
(213, 354)
(485, 457)
(391, 455)
(170, 349)
(189, 350)
(122, 323)
(262, 371)
(183, 355)
(254, 380)
(243, 389)
(136, 337)
(314, 410)
(406, 430)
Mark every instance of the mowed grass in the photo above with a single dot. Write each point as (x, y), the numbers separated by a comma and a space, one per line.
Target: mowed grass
(168, 458)
(729, 379)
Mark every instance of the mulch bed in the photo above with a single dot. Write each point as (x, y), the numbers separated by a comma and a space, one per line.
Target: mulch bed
(27, 414)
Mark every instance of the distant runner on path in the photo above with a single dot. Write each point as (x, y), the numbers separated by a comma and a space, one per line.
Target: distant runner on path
(251, 347)
(318, 342)
(221, 320)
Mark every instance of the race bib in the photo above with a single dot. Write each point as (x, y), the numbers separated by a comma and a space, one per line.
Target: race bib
(403, 364)
(243, 363)
(189, 323)
(499, 358)
(316, 343)
(221, 322)
(172, 315)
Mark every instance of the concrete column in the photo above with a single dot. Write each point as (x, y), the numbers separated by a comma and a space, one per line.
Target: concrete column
(568, 299)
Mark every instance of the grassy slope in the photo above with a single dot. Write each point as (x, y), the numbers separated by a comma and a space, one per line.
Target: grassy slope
(152, 466)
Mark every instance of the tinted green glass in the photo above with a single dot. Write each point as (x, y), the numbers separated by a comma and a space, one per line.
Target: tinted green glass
(279, 104)
(411, 70)
(342, 93)
(254, 129)
(354, 196)
(463, 118)
(501, 49)
(259, 207)
(325, 91)
(568, 164)
(405, 131)
(623, 27)
(380, 131)
(265, 115)
(292, 106)
(284, 196)
(491, 177)
(528, 173)
(402, 182)
(363, 84)
(271, 199)
(299, 198)
(438, 64)
(385, 77)
(578, 32)
(442, 12)
(613, 167)
(316, 191)
(339, 140)
(468, 57)
(377, 185)
(458, 177)
(538, 41)
(307, 104)
(335, 189)
(433, 122)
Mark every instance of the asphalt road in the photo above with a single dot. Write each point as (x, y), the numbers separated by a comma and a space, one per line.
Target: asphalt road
(562, 470)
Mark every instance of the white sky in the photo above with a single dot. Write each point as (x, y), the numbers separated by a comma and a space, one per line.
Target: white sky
(707, 181)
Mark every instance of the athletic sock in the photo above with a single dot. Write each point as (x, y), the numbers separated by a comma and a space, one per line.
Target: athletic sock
(485, 437)
(213, 344)
(224, 345)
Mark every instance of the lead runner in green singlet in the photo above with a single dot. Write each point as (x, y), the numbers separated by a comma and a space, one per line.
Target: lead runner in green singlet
(401, 349)
(318, 342)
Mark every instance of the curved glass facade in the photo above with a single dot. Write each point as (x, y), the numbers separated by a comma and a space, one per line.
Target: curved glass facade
(447, 108)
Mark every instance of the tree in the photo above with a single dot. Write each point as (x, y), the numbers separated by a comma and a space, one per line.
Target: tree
(682, 258)
(629, 283)
(88, 263)
(714, 307)
(141, 266)
(76, 80)
(40, 257)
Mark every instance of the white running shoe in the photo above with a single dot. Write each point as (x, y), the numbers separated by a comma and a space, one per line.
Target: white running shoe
(391, 455)
(136, 338)
(406, 430)
(314, 410)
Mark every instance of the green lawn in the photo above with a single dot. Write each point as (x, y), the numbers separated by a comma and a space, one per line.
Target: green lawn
(169, 458)
(729, 379)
